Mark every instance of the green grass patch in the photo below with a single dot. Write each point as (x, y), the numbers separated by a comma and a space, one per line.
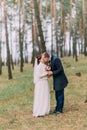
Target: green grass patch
(16, 99)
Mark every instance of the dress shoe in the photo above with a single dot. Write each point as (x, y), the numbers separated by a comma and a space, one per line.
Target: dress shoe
(58, 112)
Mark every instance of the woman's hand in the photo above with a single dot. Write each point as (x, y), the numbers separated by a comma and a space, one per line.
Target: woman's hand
(48, 68)
(50, 73)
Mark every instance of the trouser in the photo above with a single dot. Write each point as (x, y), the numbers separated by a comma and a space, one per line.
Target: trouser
(59, 95)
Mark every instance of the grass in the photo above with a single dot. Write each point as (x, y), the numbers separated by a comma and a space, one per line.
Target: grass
(16, 100)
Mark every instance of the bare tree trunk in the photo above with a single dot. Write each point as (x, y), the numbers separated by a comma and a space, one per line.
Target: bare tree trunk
(37, 15)
(75, 47)
(52, 36)
(7, 43)
(0, 41)
(75, 37)
(75, 42)
(62, 29)
(40, 8)
(33, 44)
(21, 33)
(70, 29)
(46, 9)
(84, 4)
(0, 57)
(21, 46)
(12, 64)
(53, 24)
(35, 40)
(81, 35)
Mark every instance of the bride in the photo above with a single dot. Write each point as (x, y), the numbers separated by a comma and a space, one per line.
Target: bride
(41, 104)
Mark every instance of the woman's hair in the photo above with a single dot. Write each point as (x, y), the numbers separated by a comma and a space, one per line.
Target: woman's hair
(38, 59)
(46, 55)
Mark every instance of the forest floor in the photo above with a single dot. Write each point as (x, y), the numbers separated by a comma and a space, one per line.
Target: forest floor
(16, 99)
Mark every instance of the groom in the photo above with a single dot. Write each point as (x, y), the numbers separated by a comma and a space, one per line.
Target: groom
(59, 82)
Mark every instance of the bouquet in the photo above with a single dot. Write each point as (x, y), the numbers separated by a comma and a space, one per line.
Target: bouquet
(48, 67)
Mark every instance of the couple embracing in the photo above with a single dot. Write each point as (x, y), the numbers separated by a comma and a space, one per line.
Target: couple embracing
(42, 71)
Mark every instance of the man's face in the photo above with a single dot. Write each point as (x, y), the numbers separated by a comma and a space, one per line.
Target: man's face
(46, 59)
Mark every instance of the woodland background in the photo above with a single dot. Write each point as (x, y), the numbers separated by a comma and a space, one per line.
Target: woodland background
(29, 27)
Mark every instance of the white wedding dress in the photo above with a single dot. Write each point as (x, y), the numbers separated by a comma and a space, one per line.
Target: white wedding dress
(41, 104)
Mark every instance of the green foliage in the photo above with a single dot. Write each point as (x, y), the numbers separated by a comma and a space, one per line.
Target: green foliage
(79, 8)
(66, 7)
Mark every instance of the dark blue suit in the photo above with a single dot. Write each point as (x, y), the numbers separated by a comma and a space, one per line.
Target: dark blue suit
(59, 82)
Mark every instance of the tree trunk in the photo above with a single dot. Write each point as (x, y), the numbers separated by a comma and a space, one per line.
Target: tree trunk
(12, 64)
(21, 34)
(21, 47)
(7, 43)
(0, 57)
(70, 44)
(62, 29)
(33, 44)
(75, 45)
(37, 15)
(84, 3)
(0, 42)
(70, 28)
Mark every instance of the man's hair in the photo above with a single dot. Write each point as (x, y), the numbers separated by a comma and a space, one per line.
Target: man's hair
(46, 55)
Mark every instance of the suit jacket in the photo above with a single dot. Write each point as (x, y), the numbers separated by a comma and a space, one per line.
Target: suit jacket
(59, 78)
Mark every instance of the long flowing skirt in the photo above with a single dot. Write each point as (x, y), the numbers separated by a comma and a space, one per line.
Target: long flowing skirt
(41, 104)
